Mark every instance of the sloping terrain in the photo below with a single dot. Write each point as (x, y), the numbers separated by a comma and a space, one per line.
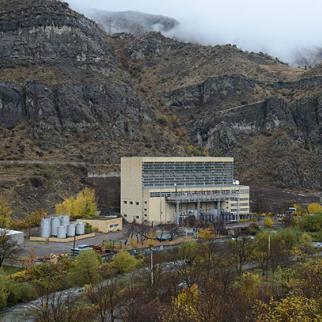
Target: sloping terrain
(69, 92)
(263, 112)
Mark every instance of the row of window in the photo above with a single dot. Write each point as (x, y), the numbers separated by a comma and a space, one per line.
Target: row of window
(241, 204)
(219, 192)
(113, 226)
(131, 202)
(162, 174)
(241, 208)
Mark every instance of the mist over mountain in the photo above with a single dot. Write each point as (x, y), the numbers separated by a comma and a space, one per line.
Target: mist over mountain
(133, 22)
(289, 30)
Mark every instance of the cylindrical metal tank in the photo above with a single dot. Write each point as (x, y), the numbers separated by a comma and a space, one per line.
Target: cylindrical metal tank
(64, 220)
(71, 230)
(80, 228)
(61, 232)
(45, 227)
(55, 223)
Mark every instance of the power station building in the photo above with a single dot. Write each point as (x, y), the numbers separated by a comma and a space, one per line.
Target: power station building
(169, 189)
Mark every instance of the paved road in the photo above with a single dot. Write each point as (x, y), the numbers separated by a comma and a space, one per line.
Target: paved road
(45, 249)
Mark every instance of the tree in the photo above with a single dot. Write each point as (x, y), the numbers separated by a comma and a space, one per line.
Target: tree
(314, 208)
(5, 214)
(298, 210)
(33, 219)
(293, 308)
(123, 262)
(105, 298)
(8, 247)
(85, 268)
(268, 222)
(242, 248)
(81, 206)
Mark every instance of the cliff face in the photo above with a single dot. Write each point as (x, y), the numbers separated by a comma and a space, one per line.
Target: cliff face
(68, 91)
(59, 76)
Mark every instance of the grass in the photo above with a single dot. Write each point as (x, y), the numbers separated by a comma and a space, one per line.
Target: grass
(8, 270)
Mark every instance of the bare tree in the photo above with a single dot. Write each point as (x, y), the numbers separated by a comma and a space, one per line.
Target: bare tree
(105, 297)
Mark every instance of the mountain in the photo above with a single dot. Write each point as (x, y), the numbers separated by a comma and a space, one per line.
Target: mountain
(131, 21)
(76, 99)
(258, 109)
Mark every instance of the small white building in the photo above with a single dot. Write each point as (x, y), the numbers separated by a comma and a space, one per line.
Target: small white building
(17, 236)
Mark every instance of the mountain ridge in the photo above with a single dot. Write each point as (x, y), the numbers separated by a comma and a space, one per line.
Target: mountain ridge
(69, 91)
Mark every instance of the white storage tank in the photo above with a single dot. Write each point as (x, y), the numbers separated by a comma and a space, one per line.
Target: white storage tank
(61, 232)
(64, 220)
(45, 227)
(80, 228)
(71, 230)
(55, 223)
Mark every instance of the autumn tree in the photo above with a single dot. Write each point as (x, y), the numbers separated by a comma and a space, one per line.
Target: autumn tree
(5, 214)
(293, 308)
(82, 206)
(268, 222)
(33, 219)
(314, 208)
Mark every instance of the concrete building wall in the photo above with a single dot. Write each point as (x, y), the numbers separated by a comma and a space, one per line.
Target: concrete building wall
(145, 204)
(105, 225)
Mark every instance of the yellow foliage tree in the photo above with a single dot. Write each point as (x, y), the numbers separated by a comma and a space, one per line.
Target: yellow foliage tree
(186, 303)
(206, 234)
(268, 222)
(81, 206)
(5, 214)
(290, 309)
(314, 208)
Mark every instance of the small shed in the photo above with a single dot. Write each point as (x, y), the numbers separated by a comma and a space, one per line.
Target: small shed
(17, 236)
(105, 224)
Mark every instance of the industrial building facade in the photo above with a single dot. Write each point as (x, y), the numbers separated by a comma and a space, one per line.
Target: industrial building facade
(169, 189)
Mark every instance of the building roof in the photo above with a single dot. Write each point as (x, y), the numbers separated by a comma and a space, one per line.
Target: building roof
(10, 232)
(181, 159)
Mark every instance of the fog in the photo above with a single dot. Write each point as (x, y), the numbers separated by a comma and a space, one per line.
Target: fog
(282, 28)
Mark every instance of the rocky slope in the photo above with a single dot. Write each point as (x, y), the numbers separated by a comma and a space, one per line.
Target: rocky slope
(70, 92)
(263, 112)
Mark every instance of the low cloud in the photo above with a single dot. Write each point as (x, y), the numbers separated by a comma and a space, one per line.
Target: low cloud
(284, 29)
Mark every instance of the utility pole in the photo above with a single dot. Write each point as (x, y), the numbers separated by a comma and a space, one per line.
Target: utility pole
(151, 263)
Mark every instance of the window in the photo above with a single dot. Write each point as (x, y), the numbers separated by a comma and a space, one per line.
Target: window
(137, 217)
(145, 202)
(131, 202)
(125, 215)
(125, 202)
(145, 215)
(145, 209)
(137, 203)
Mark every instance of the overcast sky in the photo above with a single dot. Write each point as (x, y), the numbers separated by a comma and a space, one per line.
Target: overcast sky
(279, 27)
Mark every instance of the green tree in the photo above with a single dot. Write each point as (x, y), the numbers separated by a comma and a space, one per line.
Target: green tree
(85, 269)
(123, 262)
(242, 248)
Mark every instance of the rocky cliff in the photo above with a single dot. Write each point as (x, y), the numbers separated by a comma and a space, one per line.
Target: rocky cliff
(70, 92)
